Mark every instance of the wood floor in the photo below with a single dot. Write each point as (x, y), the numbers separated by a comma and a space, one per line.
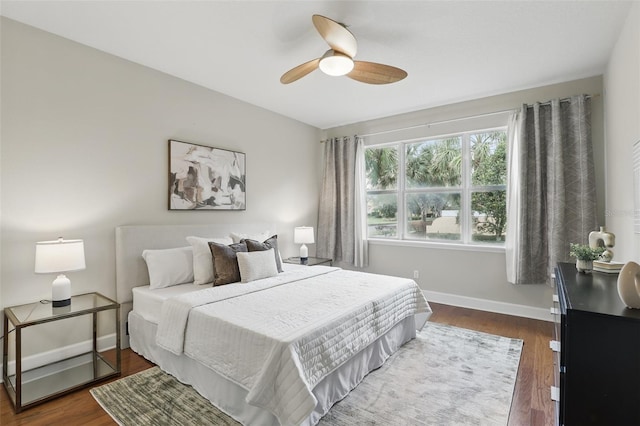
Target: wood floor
(531, 401)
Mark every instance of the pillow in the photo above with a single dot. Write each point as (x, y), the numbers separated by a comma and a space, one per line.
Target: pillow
(226, 262)
(202, 261)
(259, 236)
(270, 243)
(256, 265)
(169, 267)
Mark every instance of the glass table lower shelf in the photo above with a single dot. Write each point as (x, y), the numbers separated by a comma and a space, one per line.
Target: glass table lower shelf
(88, 356)
(47, 382)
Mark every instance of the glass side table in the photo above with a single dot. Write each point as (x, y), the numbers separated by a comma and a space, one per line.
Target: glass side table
(44, 382)
(311, 261)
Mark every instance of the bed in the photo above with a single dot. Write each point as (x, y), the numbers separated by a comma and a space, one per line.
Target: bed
(278, 350)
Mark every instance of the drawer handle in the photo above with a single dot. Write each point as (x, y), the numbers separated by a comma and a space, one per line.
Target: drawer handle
(554, 345)
(554, 311)
(555, 393)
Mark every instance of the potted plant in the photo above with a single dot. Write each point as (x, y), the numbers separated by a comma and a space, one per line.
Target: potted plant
(585, 256)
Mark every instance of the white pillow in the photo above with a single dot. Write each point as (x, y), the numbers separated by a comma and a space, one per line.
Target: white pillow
(169, 267)
(255, 265)
(202, 260)
(259, 236)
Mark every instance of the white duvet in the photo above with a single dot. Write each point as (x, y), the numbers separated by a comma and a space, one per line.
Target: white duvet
(278, 337)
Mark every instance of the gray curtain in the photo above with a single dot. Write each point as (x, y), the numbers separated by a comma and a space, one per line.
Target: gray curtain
(336, 216)
(555, 180)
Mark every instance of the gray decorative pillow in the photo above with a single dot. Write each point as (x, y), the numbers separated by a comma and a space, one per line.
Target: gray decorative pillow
(269, 243)
(225, 262)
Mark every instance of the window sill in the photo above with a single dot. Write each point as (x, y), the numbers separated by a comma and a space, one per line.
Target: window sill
(437, 245)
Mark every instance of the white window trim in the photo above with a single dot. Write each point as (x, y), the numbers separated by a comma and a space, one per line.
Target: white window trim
(437, 245)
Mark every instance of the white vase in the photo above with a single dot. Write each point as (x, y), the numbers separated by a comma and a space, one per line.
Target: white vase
(629, 285)
(603, 238)
(584, 266)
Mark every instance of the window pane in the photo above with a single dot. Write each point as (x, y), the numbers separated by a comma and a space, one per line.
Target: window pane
(433, 216)
(489, 158)
(489, 216)
(382, 213)
(434, 163)
(382, 168)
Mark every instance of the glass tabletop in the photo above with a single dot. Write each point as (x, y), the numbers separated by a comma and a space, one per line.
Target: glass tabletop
(310, 261)
(41, 311)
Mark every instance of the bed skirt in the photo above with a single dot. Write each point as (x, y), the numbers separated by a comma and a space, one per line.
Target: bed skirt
(230, 397)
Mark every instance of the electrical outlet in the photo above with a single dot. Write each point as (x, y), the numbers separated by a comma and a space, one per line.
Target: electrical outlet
(416, 274)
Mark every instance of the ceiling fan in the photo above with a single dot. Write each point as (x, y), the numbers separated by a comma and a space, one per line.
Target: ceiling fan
(339, 59)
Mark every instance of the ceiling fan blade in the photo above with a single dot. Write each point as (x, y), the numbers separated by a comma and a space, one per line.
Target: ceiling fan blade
(372, 73)
(336, 35)
(300, 71)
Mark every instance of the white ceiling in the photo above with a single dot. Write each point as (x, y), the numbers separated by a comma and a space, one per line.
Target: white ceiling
(452, 50)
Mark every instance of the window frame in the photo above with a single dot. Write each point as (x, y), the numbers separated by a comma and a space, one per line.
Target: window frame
(465, 189)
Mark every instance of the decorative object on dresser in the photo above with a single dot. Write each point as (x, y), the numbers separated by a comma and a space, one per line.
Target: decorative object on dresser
(56, 257)
(629, 285)
(585, 255)
(205, 178)
(607, 267)
(303, 235)
(597, 348)
(603, 238)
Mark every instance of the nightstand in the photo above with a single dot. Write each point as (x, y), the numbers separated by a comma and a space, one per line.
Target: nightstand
(310, 262)
(84, 363)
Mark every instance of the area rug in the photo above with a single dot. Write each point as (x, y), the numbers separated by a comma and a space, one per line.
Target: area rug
(445, 376)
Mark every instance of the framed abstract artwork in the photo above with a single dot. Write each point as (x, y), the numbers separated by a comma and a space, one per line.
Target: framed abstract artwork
(636, 187)
(205, 178)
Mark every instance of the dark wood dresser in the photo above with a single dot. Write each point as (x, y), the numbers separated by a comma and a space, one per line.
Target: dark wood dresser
(596, 351)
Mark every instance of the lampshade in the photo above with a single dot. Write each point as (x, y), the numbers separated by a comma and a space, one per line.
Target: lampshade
(335, 63)
(60, 256)
(303, 235)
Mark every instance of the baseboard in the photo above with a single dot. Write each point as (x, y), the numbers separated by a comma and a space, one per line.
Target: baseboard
(49, 357)
(489, 305)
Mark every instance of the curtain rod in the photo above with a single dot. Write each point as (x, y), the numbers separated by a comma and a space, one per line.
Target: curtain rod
(434, 123)
(564, 100)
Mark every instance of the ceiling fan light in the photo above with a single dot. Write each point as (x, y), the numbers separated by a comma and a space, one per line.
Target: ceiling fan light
(335, 64)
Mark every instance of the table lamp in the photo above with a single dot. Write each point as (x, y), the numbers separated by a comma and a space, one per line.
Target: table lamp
(56, 257)
(303, 235)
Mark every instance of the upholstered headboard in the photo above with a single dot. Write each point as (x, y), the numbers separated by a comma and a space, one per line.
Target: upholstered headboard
(131, 269)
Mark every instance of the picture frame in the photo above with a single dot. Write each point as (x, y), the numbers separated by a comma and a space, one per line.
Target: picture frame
(205, 178)
(636, 187)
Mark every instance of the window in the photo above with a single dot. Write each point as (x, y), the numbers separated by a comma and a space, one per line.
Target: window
(447, 189)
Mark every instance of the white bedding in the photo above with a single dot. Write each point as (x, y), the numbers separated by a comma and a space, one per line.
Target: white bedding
(279, 343)
(147, 302)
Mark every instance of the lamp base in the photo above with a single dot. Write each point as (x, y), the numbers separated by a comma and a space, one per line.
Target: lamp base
(61, 303)
(61, 291)
(304, 253)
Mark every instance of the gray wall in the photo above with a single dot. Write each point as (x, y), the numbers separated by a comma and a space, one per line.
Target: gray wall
(473, 277)
(622, 118)
(84, 150)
